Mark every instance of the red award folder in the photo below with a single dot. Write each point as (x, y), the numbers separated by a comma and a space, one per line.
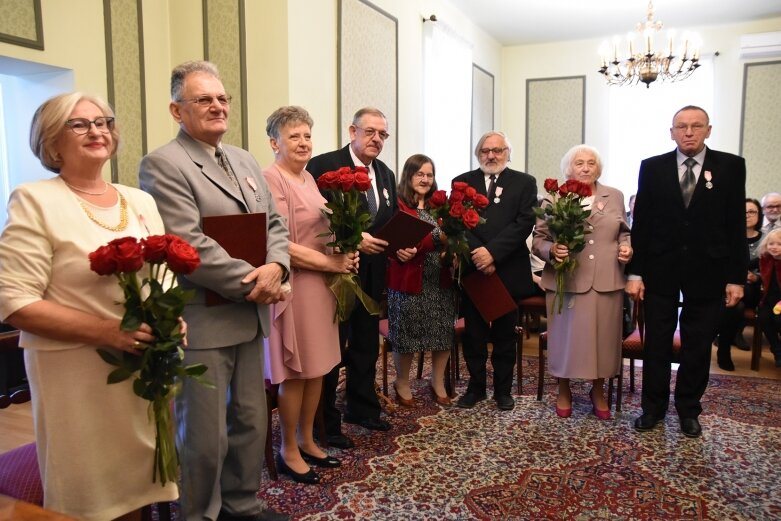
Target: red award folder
(488, 294)
(403, 231)
(242, 235)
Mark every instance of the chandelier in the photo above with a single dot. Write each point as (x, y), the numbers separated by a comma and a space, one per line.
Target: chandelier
(650, 65)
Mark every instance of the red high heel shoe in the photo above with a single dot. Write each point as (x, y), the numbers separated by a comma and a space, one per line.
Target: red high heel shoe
(602, 415)
(563, 413)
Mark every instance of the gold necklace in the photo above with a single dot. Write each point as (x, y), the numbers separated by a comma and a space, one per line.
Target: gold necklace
(122, 216)
(105, 188)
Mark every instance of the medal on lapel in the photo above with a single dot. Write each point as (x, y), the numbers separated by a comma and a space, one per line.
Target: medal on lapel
(254, 186)
(497, 194)
(708, 177)
(600, 206)
(386, 196)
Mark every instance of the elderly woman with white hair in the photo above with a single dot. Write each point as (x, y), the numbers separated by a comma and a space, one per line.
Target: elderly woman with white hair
(584, 340)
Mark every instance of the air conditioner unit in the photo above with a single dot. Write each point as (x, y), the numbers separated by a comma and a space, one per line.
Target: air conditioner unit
(760, 45)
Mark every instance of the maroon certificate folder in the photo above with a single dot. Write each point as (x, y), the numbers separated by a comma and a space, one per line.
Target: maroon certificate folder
(403, 231)
(243, 236)
(488, 294)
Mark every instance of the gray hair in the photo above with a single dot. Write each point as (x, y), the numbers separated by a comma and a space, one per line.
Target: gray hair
(769, 194)
(284, 116)
(367, 110)
(180, 73)
(494, 133)
(566, 161)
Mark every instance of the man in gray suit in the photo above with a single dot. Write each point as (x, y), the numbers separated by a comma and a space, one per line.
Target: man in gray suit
(222, 431)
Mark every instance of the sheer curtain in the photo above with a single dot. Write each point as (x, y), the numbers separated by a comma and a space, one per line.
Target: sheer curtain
(640, 119)
(447, 101)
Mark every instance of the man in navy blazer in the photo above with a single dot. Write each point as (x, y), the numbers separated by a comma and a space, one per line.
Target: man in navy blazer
(497, 246)
(697, 250)
(368, 133)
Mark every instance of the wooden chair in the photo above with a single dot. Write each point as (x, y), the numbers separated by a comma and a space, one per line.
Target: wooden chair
(13, 387)
(750, 316)
(531, 310)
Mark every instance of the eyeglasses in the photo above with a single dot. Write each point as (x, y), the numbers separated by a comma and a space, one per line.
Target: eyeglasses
(206, 101)
(422, 175)
(772, 207)
(695, 128)
(752, 212)
(496, 151)
(370, 132)
(81, 126)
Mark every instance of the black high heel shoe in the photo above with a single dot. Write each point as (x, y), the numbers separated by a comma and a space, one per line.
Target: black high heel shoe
(327, 461)
(308, 478)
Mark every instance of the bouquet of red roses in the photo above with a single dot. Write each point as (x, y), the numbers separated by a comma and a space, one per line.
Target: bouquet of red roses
(566, 218)
(455, 215)
(160, 366)
(347, 222)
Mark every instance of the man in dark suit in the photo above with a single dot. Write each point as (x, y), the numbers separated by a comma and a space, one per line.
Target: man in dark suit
(360, 333)
(498, 246)
(221, 432)
(689, 238)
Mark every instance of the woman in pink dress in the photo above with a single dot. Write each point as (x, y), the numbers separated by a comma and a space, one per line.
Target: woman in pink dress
(304, 340)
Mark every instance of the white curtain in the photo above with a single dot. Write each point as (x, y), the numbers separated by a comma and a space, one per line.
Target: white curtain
(447, 99)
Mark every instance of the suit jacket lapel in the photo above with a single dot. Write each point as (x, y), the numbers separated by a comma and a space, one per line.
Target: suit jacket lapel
(601, 200)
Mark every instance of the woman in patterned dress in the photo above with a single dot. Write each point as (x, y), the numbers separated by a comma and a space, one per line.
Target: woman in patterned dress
(421, 296)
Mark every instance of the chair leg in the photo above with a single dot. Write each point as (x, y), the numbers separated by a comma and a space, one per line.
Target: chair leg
(620, 388)
(756, 346)
(519, 359)
(269, 453)
(540, 369)
(421, 359)
(610, 393)
(449, 380)
(385, 347)
(631, 375)
(164, 511)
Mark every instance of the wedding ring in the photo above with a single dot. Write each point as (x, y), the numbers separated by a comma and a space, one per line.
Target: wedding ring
(136, 343)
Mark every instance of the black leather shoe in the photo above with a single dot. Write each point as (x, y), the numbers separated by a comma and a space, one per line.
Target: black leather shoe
(690, 427)
(267, 515)
(469, 400)
(373, 424)
(308, 478)
(725, 363)
(646, 422)
(327, 461)
(340, 441)
(504, 402)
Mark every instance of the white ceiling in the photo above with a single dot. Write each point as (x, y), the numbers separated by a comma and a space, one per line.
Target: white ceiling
(520, 22)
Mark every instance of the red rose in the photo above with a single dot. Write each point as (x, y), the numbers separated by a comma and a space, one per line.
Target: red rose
(456, 210)
(182, 258)
(346, 181)
(573, 185)
(128, 254)
(563, 190)
(440, 222)
(469, 193)
(102, 261)
(471, 218)
(362, 169)
(438, 199)
(362, 181)
(456, 196)
(155, 248)
(344, 170)
(584, 190)
(480, 201)
(328, 181)
(551, 185)
(459, 186)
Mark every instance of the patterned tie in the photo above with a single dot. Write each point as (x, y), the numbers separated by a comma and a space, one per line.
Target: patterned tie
(491, 186)
(688, 181)
(371, 200)
(222, 160)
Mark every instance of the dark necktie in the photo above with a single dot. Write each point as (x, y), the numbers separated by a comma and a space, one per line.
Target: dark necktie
(688, 181)
(371, 200)
(222, 160)
(491, 186)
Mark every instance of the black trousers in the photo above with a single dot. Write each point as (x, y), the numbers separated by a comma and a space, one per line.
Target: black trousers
(501, 333)
(698, 323)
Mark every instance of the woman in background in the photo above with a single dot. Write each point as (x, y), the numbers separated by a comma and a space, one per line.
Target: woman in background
(584, 340)
(421, 295)
(769, 312)
(304, 341)
(95, 442)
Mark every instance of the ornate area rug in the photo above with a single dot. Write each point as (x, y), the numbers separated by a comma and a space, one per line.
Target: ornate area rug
(528, 464)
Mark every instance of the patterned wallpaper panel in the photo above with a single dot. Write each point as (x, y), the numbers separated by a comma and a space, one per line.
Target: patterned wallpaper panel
(126, 85)
(761, 125)
(554, 122)
(482, 107)
(368, 69)
(224, 46)
(20, 23)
